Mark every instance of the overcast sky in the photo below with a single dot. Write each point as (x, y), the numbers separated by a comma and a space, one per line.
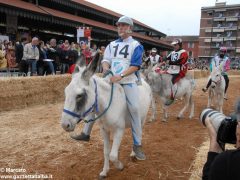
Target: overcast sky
(172, 17)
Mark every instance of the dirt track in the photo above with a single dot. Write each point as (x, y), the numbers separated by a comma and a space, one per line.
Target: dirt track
(33, 139)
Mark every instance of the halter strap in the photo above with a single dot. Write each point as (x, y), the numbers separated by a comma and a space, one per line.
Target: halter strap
(94, 106)
(216, 82)
(91, 109)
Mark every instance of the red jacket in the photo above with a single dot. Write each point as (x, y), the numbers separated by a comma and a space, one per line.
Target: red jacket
(179, 58)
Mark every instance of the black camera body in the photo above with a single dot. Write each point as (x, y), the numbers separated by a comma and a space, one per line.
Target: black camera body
(225, 126)
(227, 130)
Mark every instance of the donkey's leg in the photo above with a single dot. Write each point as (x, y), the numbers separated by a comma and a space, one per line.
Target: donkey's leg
(220, 103)
(153, 116)
(186, 99)
(117, 138)
(192, 107)
(165, 115)
(106, 137)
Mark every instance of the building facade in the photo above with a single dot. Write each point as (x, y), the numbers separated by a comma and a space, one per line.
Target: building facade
(60, 19)
(190, 44)
(219, 26)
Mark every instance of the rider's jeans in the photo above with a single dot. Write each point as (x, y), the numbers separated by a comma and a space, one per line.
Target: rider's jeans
(132, 97)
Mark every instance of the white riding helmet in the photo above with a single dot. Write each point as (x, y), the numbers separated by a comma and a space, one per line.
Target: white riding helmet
(177, 41)
(125, 20)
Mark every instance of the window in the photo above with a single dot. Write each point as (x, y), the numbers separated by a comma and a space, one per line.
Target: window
(230, 25)
(190, 54)
(219, 25)
(206, 51)
(190, 45)
(229, 44)
(209, 21)
(220, 15)
(229, 33)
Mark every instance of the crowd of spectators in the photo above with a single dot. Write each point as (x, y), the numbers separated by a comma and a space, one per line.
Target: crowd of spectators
(43, 58)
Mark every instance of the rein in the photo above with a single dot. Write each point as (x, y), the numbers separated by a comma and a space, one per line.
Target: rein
(94, 106)
(217, 82)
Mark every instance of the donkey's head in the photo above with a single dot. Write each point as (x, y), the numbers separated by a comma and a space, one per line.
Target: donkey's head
(79, 94)
(216, 77)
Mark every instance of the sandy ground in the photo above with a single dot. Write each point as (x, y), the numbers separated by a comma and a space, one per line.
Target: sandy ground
(33, 139)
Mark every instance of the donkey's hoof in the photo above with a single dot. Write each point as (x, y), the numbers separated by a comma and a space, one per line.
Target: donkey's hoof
(102, 175)
(164, 120)
(152, 120)
(120, 166)
(132, 154)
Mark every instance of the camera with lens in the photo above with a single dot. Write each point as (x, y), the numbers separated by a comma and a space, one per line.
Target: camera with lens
(225, 126)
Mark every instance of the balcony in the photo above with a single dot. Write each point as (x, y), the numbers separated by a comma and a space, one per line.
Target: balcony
(230, 38)
(219, 19)
(214, 47)
(217, 39)
(207, 40)
(220, 10)
(232, 19)
(221, 29)
(208, 30)
(231, 48)
(233, 28)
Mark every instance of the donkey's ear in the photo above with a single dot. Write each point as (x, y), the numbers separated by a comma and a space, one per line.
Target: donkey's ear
(93, 65)
(81, 61)
(91, 68)
(76, 69)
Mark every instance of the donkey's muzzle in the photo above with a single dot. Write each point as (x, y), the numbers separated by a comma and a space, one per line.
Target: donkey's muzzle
(67, 126)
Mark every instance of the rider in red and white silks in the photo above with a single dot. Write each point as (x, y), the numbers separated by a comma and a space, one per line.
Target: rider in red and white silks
(177, 66)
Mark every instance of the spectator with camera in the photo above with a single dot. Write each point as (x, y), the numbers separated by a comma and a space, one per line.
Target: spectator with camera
(221, 164)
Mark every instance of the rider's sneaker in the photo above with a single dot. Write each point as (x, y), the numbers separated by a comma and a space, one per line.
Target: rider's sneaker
(81, 137)
(204, 89)
(169, 102)
(139, 154)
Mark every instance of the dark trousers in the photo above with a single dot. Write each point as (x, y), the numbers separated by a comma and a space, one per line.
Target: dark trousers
(226, 80)
(23, 66)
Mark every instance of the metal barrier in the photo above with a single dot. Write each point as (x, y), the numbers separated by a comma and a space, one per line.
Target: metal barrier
(11, 72)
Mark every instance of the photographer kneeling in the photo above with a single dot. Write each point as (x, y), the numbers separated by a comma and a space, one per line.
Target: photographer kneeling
(222, 165)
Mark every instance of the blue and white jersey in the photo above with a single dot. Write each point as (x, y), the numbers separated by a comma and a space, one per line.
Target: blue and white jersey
(121, 54)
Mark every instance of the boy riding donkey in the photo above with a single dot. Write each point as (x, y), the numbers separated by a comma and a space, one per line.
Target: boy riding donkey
(177, 67)
(221, 62)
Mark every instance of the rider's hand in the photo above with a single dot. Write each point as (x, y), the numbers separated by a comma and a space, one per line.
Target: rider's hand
(115, 78)
(105, 67)
(214, 146)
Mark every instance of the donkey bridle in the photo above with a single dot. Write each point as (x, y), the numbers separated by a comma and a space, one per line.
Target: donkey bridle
(94, 105)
